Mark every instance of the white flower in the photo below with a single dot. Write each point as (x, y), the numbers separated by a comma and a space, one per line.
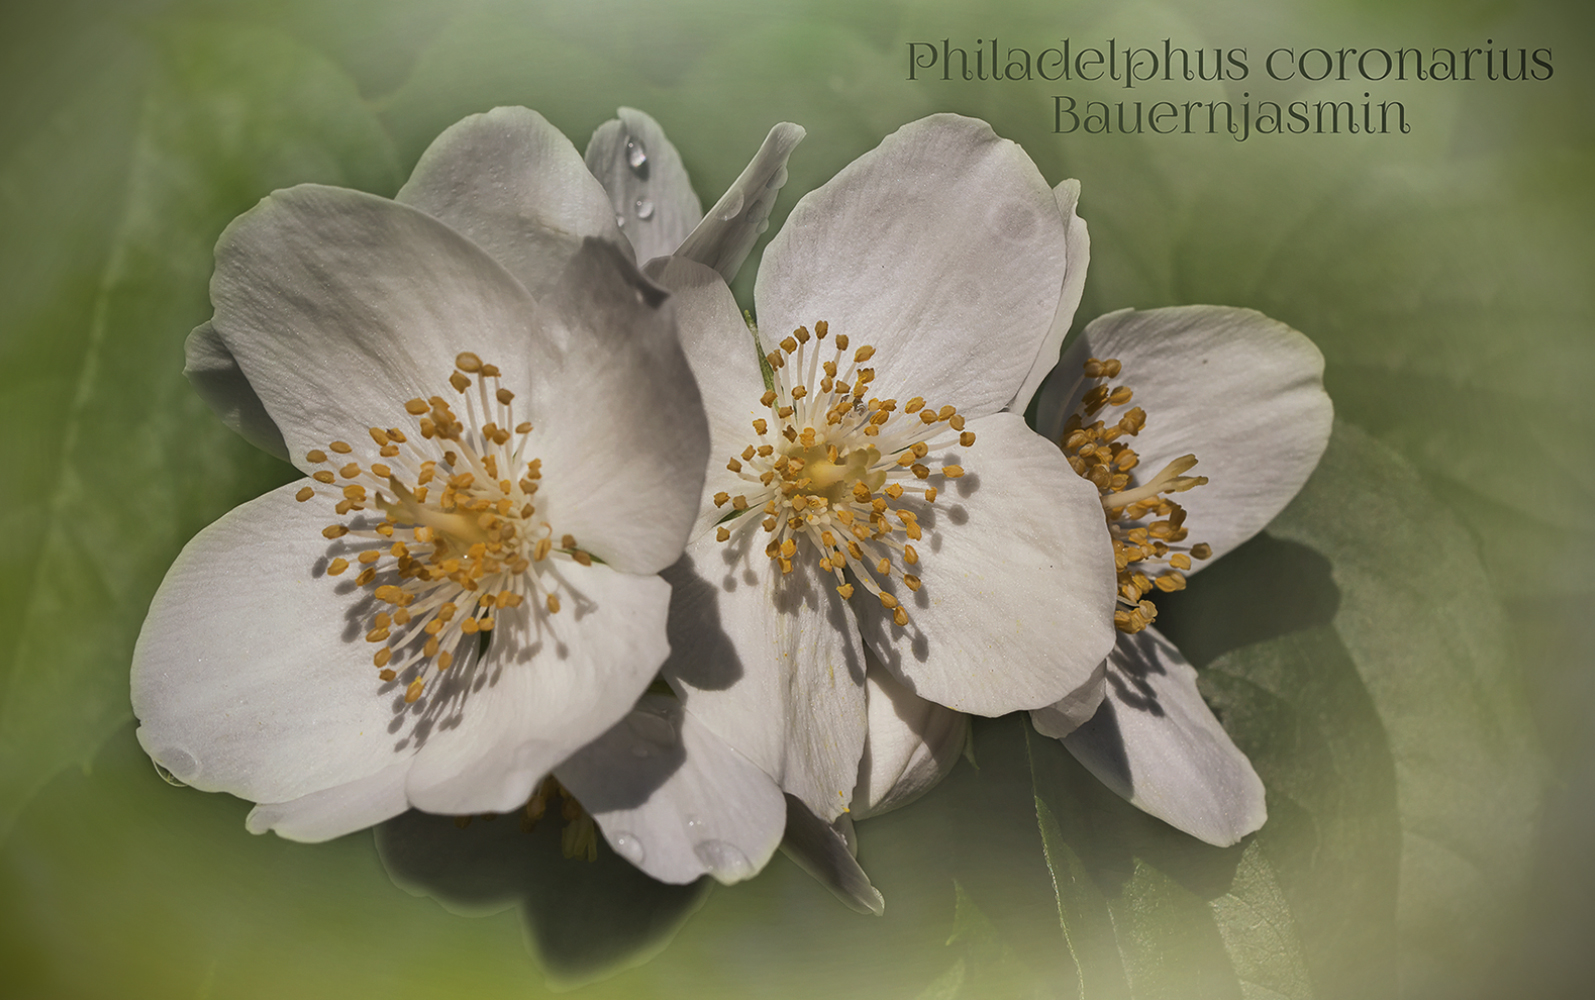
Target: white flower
(1139, 400)
(503, 445)
(876, 495)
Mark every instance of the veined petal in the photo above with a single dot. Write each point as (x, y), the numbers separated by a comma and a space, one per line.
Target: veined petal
(771, 663)
(673, 799)
(820, 849)
(912, 744)
(1242, 392)
(1078, 241)
(956, 293)
(649, 193)
(1075, 709)
(617, 417)
(516, 187)
(340, 306)
(1157, 744)
(250, 675)
(214, 373)
(724, 358)
(333, 812)
(1015, 611)
(539, 694)
(724, 238)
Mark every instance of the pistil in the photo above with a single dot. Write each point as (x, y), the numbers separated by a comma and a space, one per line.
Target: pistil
(829, 466)
(458, 540)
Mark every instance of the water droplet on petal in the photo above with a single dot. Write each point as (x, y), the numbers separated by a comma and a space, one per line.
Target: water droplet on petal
(654, 729)
(175, 763)
(628, 847)
(167, 776)
(776, 179)
(636, 155)
(724, 860)
(694, 824)
(755, 213)
(733, 206)
(762, 226)
(645, 208)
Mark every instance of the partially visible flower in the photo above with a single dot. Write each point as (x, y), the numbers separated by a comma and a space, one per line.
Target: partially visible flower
(1139, 403)
(869, 493)
(502, 444)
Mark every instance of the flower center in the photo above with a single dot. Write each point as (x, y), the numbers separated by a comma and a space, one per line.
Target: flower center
(830, 465)
(458, 539)
(1147, 527)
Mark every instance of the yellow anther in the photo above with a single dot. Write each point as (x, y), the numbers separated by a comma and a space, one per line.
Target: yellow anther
(846, 589)
(930, 494)
(553, 604)
(863, 354)
(324, 476)
(466, 361)
(334, 531)
(459, 382)
(952, 471)
(341, 447)
(350, 471)
(967, 438)
(337, 566)
(1201, 551)
(304, 494)
(722, 534)
(412, 694)
(887, 600)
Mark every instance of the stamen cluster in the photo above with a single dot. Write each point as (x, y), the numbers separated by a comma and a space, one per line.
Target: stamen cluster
(458, 539)
(829, 462)
(1145, 525)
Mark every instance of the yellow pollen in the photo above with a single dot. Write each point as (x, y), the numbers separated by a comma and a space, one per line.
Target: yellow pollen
(1142, 521)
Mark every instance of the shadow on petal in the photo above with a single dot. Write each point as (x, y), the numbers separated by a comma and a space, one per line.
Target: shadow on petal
(583, 920)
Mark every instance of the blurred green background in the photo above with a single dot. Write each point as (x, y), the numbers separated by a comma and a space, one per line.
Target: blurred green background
(1402, 654)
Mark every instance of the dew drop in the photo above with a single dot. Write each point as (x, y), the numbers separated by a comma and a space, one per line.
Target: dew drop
(637, 156)
(723, 860)
(628, 847)
(167, 776)
(755, 214)
(653, 729)
(733, 206)
(645, 208)
(776, 179)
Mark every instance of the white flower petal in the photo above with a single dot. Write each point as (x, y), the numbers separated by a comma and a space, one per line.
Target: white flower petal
(1017, 602)
(724, 238)
(516, 187)
(214, 373)
(943, 248)
(772, 664)
(617, 418)
(1156, 743)
(724, 358)
(912, 744)
(250, 675)
(333, 812)
(648, 189)
(673, 799)
(1240, 391)
(1079, 258)
(340, 306)
(533, 700)
(820, 849)
(1075, 709)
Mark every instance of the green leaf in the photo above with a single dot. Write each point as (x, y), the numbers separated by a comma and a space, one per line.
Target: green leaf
(1402, 784)
(131, 463)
